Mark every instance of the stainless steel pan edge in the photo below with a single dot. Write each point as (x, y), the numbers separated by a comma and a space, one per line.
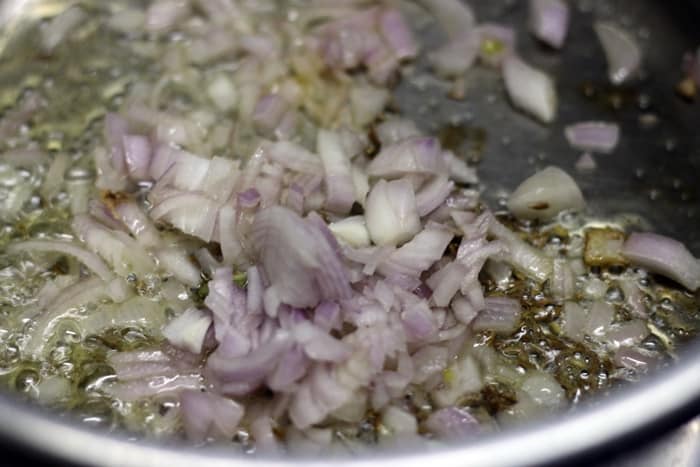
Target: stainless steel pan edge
(623, 420)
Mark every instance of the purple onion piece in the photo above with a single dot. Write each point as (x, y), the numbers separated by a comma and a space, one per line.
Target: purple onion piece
(665, 256)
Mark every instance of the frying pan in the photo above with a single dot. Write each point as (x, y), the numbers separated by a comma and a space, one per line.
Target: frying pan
(652, 175)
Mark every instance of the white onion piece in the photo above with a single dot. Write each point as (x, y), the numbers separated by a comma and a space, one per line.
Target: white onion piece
(457, 56)
(416, 155)
(452, 423)
(600, 318)
(138, 224)
(433, 194)
(351, 230)
(634, 297)
(367, 103)
(59, 27)
(530, 89)
(455, 16)
(501, 315)
(627, 334)
(549, 21)
(463, 310)
(499, 272)
(53, 389)
(340, 190)
(137, 156)
(522, 256)
(122, 252)
(188, 330)
(223, 93)
(131, 391)
(398, 421)
(89, 259)
(206, 415)
(429, 361)
(665, 256)
(360, 181)
(574, 319)
(635, 359)
(622, 52)
(191, 213)
(458, 169)
(462, 377)
(544, 390)
(395, 129)
(294, 157)
(563, 285)
(268, 113)
(419, 254)
(601, 137)
(391, 212)
(178, 263)
(545, 194)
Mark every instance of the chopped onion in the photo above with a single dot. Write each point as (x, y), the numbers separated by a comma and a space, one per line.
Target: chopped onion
(544, 390)
(416, 155)
(501, 315)
(461, 378)
(138, 224)
(340, 190)
(223, 93)
(398, 34)
(188, 330)
(458, 55)
(131, 391)
(563, 285)
(300, 263)
(622, 52)
(351, 230)
(367, 103)
(391, 212)
(419, 254)
(530, 89)
(601, 137)
(137, 156)
(455, 16)
(664, 256)
(635, 359)
(179, 264)
(209, 415)
(627, 334)
(452, 423)
(121, 252)
(522, 256)
(395, 129)
(429, 361)
(549, 21)
(545, 194)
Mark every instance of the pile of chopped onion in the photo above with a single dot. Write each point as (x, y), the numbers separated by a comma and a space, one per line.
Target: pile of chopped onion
(306, 257)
